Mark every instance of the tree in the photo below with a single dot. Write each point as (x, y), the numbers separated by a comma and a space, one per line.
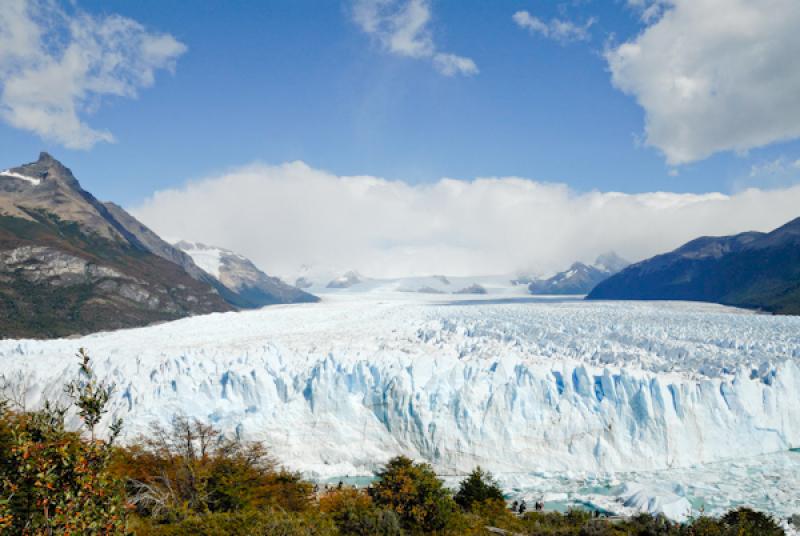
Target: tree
(190, 470)
(355, 514)
(478, 487)
(746, 522)
(415, 494)
(57, 481)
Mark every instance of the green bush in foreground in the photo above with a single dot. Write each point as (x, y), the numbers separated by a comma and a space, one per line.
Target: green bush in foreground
(478, 487)
(417, 495)
(54, 481)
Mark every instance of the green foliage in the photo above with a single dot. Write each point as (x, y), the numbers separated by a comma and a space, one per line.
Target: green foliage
(355, 514)
(416, 495)
(53, 481)
(746, 522)
(246, 523)
(478, 487)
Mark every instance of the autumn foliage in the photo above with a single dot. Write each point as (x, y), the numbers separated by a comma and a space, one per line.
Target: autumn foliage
(57, 481)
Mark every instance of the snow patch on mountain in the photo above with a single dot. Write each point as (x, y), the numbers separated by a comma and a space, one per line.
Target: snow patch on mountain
(206, 257)
(32, 180)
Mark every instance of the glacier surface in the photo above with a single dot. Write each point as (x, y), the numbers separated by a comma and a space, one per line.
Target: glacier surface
(521, 386)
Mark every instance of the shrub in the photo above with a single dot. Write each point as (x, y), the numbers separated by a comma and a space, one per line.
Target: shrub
(416, 495)
(189, 469)
(56, 481)
(478, 487)
(354, 513)
(746, 522)
(247, 523)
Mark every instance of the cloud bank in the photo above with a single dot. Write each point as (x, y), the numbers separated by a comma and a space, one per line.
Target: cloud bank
(713, 75)
(55, 67)
(290, 215)
(403, 28)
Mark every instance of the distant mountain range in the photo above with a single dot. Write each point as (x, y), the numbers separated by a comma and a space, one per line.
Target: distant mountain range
(253, 287)
(71, 264)
(753, 270)
(580, 278)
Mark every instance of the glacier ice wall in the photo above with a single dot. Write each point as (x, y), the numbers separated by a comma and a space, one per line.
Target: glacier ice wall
(339, 387)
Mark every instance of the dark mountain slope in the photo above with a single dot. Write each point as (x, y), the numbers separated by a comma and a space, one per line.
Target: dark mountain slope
(753, 270)
(580, 278)
(68, 265)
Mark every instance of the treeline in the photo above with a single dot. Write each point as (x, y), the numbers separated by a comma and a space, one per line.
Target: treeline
(189, 479)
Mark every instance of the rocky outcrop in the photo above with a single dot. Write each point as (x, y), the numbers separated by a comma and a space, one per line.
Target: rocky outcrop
(472, 289)
(242, 278)
(346, 280)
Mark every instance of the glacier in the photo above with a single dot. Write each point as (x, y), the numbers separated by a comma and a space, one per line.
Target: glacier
(521, 386)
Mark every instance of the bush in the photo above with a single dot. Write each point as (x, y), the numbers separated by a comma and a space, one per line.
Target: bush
(56, 481)
(354, 513)
(416, 495)
(187, 470)
(249, 523)
(746, 522)
(478, 487)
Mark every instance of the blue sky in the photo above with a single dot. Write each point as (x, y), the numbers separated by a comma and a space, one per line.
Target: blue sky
(300, 80)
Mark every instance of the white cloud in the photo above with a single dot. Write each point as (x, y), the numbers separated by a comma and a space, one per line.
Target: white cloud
(55, 67)
(778, 166)
(649, 10)
(403, 28)
(563, 31)
(713, 75)
(289, 215)
(450, 64)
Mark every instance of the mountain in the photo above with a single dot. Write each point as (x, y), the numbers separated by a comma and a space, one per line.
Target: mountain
(251, 286)
(472, 289)
(346, 280)
(753, 270)
(69, 263)
(580, 278)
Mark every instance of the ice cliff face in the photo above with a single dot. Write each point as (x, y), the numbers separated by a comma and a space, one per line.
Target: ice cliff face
(339, 387)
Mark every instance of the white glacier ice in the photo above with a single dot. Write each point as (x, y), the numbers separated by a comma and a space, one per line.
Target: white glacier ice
(520, 386)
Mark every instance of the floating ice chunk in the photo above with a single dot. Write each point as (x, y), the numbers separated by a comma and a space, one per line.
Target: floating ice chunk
(656, 501)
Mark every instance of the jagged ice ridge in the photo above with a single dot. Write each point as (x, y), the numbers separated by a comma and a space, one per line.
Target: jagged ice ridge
(336, 388)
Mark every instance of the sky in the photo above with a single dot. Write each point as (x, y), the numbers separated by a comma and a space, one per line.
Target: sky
(410, 136)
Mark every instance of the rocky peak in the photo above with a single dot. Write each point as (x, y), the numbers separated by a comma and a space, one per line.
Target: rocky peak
(611, 262)
(47, 170)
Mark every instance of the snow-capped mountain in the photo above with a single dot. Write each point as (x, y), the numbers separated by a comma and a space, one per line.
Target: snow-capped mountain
(252, 287)
(580, 278)
(71, 264)
(346, 280)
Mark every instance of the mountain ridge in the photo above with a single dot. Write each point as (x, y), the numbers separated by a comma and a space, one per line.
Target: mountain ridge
(69, 265)
(579, 278)
(754, 270)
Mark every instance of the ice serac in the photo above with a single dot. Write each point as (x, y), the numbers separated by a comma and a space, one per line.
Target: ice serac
(337, 388)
